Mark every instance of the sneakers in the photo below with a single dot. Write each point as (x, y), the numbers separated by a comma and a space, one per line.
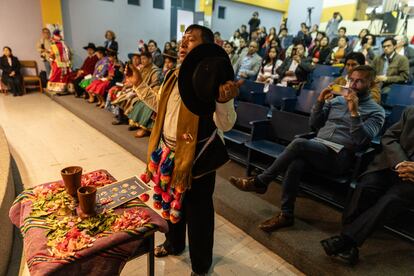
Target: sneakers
(277, 222)
(248, 184)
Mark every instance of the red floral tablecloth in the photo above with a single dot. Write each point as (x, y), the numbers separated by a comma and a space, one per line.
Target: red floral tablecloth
(100, 253)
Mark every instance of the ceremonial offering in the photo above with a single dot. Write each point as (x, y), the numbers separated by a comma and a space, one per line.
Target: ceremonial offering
(116, 194)
(87, 200)
(72, 178)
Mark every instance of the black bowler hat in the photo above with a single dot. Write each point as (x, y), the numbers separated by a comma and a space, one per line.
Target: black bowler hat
(203, 70)
(101, 49)
(90, 46)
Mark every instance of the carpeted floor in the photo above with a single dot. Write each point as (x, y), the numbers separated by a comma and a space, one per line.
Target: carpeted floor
(383, 254)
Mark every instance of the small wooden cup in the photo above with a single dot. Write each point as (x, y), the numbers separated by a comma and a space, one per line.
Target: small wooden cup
(72, 178)
(87, 201)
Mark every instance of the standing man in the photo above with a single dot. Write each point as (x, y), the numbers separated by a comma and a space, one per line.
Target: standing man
(384, 191)
(43, 47)
(183, 132)
(333, 24)
(254, 22)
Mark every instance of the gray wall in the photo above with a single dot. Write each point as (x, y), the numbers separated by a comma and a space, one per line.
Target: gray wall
(298, 13)
(87, 20)
(238, 14)
(20, 28)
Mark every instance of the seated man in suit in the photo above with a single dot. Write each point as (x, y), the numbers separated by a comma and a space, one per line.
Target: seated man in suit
(385, 189)
(346, 124)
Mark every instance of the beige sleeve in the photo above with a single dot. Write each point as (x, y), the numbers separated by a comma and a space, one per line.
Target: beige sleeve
(149, 93)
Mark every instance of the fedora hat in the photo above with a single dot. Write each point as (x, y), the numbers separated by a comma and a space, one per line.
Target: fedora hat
(90, 46)
(130, 55)
(170, 54)
(203, 70)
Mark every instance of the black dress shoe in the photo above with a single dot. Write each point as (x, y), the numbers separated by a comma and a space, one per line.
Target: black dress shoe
(117, 122)
(338, 246)
(131, 128)
(350, 256)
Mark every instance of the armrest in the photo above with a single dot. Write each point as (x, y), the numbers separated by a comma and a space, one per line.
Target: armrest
(362, 159)
(288, 104)
(258, 97)
(308, 135)
(259, 129)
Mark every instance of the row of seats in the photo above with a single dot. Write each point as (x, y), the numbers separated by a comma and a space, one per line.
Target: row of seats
(260, 136)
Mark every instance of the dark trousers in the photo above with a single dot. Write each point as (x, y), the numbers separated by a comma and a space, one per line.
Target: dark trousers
(14, 83)
(299, 155)
(198, 215)
(378, 197)
(79, 91)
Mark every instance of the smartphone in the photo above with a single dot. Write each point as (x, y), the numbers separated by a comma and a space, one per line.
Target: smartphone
(340, 90)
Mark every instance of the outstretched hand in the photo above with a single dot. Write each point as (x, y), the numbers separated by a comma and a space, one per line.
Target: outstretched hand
(229, 90)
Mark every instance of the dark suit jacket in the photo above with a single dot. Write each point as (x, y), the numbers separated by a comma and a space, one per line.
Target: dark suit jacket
(397, 144)
(113, 46)
(7, 69)
(301, 72)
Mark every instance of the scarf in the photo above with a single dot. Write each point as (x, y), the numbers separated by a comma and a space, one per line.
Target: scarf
(186, 140)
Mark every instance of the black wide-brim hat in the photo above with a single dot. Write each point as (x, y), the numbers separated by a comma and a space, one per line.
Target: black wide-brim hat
(130, 55)
(203, 70)
(90, 46)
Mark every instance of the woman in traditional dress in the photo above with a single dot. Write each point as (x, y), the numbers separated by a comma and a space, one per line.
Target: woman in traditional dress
(60, 64)
(141, 116)
(101, 70)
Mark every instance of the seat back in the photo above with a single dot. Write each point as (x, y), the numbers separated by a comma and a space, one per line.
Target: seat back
(246, 89)
(285, 125)
(320, 83)
(325, 70)
(248, 112)
(275, 95)
(28, 66)
(400, 95)
(306, 100)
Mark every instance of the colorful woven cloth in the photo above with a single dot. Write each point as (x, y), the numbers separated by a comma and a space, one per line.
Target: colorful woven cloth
(39, 214)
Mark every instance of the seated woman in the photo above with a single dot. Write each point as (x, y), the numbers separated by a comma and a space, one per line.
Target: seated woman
(321, 52)
(10, 67)
(121, 97)
(100, 71)
(86, 69)
(229, 48)
(267, 72)
(368, 42)
(141, 116)
(99, 87)
(296, 68)
(357, 43)
(170, 61)
(338, 54)
(353, 60)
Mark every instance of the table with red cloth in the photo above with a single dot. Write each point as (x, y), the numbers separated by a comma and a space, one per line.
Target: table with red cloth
(107, 252)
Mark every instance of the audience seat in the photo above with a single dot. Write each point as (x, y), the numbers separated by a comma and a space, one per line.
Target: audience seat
(321, 82)
(252, 91)
(325, 70)
(270, 137)
(400, 94)
(276, 95)
(30, 80)
(303, 103)
(241, 133)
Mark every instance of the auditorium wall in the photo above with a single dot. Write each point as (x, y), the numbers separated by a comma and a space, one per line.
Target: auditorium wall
(87, 20)
(237, 14)
(21, 24)
(298, 13)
